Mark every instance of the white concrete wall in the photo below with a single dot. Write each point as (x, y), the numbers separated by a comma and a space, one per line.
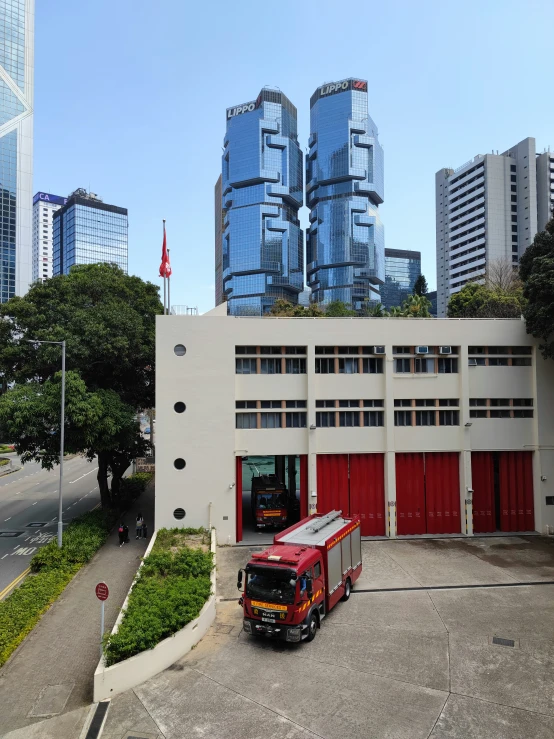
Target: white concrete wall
(110, 681)
(205, 380)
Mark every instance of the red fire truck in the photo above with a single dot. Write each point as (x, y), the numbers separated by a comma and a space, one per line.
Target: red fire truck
(292, 586)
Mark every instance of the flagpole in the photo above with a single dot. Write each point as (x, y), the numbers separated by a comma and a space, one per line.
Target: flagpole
(168, 290)
(165, 278)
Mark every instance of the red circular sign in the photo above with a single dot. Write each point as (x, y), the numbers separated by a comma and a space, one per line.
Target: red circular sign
(102, 591)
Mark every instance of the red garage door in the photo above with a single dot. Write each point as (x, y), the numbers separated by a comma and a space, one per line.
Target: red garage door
(367, 492)
(482, 479)
(332, 483)
(410, 494)
(442, 493)
(353, 484)
(516, 491)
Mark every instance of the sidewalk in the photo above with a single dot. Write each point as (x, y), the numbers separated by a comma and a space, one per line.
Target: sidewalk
(51, 673)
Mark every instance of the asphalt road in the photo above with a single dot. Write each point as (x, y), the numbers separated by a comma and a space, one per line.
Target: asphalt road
(29, 510)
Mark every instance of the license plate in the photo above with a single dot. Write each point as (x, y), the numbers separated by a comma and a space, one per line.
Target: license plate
(268, 620)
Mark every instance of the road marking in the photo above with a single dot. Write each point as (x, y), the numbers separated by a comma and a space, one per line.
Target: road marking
(8, 519)
(13, 583)
(36, 501)
(80, 478)
(5, 555)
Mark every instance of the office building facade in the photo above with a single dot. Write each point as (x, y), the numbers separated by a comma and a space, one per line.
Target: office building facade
(344, 188)
(402, 268)
(88, 231)
(44, 206)
(545, 189)
(487, 211)
(218, 230)
(417, 425)
(261, 242)
(16, 146)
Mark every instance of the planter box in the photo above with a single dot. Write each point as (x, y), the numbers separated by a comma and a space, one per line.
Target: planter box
(110, 681)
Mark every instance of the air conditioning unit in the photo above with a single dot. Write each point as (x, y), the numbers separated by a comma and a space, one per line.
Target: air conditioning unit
(378, 349)
(472, 362)
(445, 350)
(422, 350)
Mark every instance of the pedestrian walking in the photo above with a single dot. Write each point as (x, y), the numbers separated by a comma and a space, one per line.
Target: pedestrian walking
(122, 534)
(138, 526)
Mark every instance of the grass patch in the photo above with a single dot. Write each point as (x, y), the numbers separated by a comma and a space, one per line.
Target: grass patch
(54, 568)
(170, 591)
(4, 462)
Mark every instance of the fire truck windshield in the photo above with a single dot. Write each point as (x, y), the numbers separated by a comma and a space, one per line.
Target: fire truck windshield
(271, 501)
(271, 584)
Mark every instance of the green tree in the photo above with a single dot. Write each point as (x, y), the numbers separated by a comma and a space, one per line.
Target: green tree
(420, 286)
(416, 306)
(107, 319)
(481, 301)
(537, 273)
(281, 308)
(338, 309)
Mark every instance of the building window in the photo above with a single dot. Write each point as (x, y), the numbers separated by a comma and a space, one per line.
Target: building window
(523, 414)
(499, 402)
(349, 419)
(520, 362)
(270, 366)
(245, 404)
(499, 413)
(325, 419)
(424, 365)
(270, 404)
(498, 362)
(448, 365)
(402, 418)
(245, 366)
(425, 418)
(523, 401)
(296, 420)
(296, 403)
(245, 350)
(271, 350)
(373, 403)
(374, 418)
(372, 366)
(270, 420)
(477, 401)
(449, 418)
(349, 403)
(325, 366)
(245, 420)
(348, 366)
(325, 404)
(295, 350)
(478, 414)
(295, 366)
(402, 365)
(402, 403)
(325, 350)
(401, 349)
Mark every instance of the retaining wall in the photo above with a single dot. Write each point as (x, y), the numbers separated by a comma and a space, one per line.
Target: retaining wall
(110, 681)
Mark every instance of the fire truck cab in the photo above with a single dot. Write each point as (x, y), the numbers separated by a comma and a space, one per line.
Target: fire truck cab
(290, 587)
(269, 501)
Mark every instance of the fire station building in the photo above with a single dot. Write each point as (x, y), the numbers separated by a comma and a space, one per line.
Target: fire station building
(420, 426)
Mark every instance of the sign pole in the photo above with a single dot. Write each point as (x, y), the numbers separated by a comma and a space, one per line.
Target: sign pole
(102, 593)
(101, 627)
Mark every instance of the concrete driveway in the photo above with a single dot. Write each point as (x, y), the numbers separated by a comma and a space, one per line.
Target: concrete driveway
(410, 655)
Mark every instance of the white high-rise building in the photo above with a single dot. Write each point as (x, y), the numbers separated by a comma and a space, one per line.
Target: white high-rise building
(16, 145)
(44, 207)
(488, 210)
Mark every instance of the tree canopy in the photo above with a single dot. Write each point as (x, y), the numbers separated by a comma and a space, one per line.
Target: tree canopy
(537, 274)
(415, 306)
(420, 286)
(500, 296)
(107, 319)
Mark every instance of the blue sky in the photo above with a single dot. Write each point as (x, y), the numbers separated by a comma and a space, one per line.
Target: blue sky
(130, 100)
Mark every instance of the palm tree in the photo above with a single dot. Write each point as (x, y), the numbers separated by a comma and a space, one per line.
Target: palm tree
(416, 306)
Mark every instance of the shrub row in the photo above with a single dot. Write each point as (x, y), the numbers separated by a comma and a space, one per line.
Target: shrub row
(131, 487)
(4, 462)
(170, 591)
(54, 569)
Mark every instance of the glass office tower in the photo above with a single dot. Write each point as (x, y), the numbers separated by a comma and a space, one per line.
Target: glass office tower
(16, 145)
(262, 243)
(402, 268)
(88, 231)
(344, 187)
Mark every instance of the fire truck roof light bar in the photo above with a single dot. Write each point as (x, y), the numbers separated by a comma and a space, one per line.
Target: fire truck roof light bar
(319, 523)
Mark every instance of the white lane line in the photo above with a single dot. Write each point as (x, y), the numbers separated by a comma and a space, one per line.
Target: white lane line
(7, 519)
(19, 493)
(36, 501)
(5, 555)
(80, 478)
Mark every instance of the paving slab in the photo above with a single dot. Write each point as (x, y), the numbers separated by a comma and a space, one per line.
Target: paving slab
(382, 571)
(527, 558)
(467, 718)
(229, 561)
(66, 726)
(524, 611)
(507, 675)
(439, 562)
(127, 716)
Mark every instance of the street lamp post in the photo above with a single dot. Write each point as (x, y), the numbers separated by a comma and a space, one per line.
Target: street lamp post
(62, 434)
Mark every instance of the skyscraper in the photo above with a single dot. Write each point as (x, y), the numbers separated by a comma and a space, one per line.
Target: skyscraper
(218, 228)
(16, 145)
(88, 231)
(344, 187)
(402, 268)
(488, 211)
(262, 243)
(44, 207)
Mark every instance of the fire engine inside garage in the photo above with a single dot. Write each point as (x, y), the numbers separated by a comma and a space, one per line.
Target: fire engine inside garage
(420, 426)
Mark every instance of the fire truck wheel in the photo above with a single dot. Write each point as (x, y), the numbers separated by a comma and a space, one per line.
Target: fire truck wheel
(347, 590)
(312, 626)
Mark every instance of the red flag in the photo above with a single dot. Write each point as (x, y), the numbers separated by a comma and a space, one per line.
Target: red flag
(165, 267)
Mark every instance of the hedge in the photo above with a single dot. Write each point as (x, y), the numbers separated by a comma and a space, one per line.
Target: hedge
(169, 592)
(131, 487)
(54, 569)
(4, 462)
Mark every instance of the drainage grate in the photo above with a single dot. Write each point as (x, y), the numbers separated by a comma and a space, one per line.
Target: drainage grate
(36, 524)
(503, 642)
(6, 534)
